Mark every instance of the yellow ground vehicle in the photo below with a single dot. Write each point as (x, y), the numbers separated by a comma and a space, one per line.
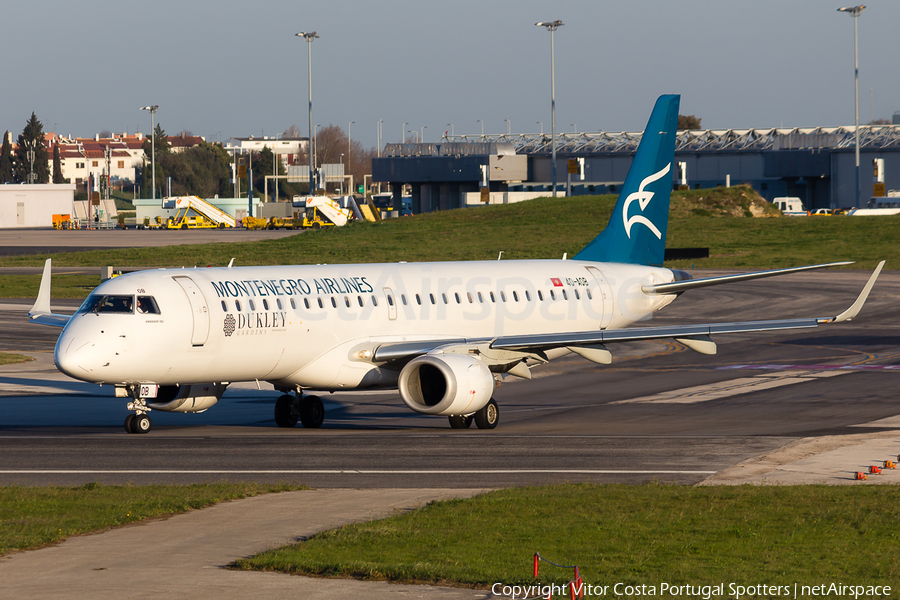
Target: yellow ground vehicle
(254, 223)
(313, 220)
(195, 213)
(285, 223)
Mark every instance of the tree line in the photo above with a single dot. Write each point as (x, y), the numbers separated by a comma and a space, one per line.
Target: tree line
(204, 170)
(17, 167)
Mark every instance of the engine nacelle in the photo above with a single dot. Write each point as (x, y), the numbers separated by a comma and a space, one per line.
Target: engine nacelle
(187, 398)
(446, 384)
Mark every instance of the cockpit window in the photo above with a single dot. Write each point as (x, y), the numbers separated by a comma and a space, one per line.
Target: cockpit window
(109, 304)
(146, 305)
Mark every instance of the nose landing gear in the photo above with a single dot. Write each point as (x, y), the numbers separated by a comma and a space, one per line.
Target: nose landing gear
(139, 422)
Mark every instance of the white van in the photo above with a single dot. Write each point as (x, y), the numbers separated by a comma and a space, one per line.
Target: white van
(791, 206)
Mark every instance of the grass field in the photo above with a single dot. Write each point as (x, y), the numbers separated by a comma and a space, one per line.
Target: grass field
(542, 228)
(7, 358)
(31, 517)
(617, 533)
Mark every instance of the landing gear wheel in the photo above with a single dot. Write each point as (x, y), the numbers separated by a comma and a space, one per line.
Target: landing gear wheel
(459, 422)
(312, 412)
(128, 421)
(488, 416)
(184, 225)
(141, 424)
(286, 412)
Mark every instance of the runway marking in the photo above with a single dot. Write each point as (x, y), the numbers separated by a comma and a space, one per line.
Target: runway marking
(733, 387)
(354, 472)
(15, 389)
(811, 368)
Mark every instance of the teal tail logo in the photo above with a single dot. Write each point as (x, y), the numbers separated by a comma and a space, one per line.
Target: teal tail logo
(636, 233)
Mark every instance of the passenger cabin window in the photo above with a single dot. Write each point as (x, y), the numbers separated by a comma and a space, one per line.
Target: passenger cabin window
(109, 304)
(252, 304)
(540, 296)
(265, 305)
(237, 305)
(224, 306)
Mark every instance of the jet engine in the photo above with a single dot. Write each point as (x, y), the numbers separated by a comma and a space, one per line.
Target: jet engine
(196, 397)
(446, 384)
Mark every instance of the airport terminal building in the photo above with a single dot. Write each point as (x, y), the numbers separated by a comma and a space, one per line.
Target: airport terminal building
(817, 164)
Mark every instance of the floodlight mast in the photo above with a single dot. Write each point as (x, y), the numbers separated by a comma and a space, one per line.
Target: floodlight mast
(152, 108)
(855, 11)
(309, 37)
(552, 26)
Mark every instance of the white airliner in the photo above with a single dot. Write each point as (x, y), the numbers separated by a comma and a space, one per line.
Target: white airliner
(443, 333)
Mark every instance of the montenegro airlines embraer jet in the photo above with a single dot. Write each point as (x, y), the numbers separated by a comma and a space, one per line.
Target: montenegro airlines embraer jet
(173, 340)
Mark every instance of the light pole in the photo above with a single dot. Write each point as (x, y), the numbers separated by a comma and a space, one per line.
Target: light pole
(378, 127)
(450, 125)
(342, 179)
(315, 148)
(309, 37)
(482, 126)
(574, 126)
(31, 145)
(541, 123)
(153, 108)
(552, 26)
(855, 11)
(403, 133)
(348, 145)
(422, 137)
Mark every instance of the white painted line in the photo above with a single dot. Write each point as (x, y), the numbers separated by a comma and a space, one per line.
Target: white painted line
(732, 387)
(348, 472)
(15, 389)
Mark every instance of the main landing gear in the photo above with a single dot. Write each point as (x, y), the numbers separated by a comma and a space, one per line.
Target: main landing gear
(309, 410)
(485, 418)
(139, 422)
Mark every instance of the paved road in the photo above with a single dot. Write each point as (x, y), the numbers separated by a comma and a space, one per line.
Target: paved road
(49, 241)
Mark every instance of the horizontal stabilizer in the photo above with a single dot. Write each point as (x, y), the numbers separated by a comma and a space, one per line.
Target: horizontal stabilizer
(680, 286)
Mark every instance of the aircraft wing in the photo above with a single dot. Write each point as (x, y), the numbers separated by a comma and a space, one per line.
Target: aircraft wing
(695, 337)
(590, 344)
(40, 313)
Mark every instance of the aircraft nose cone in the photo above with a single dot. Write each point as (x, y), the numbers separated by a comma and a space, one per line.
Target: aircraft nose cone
(73, 358)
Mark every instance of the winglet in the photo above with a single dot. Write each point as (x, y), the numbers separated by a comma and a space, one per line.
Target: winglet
(42, 303)
(854, 309)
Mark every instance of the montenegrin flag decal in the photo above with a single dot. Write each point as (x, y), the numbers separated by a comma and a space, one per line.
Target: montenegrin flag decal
(556, 282)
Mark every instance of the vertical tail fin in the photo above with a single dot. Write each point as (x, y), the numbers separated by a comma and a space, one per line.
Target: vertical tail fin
(636, 232)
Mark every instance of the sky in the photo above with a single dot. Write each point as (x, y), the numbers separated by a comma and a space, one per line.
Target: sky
(225, 68)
